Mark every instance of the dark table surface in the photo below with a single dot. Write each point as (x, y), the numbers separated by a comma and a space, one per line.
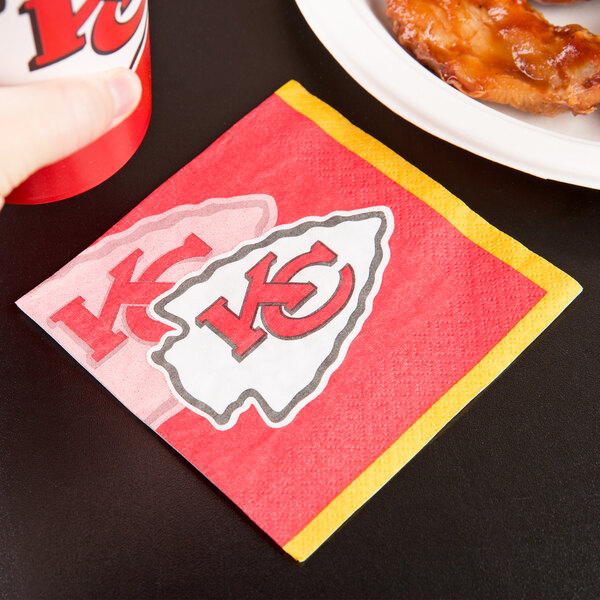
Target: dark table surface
(504, 503)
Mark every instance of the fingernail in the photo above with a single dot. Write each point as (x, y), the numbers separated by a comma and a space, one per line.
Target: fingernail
(126, 90)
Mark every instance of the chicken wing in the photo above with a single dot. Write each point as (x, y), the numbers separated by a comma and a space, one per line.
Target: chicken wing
(559, 1)
(502, 51)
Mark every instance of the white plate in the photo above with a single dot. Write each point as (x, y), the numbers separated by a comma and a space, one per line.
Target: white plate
(358, 35)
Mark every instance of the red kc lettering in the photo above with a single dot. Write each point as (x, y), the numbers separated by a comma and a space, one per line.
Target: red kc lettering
(56, 27)
(96, 331)
(273, 297)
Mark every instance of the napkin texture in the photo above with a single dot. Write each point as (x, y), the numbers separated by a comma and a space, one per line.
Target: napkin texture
(298, 311)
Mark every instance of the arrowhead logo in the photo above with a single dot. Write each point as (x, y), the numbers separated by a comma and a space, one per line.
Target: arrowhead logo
(267, 324)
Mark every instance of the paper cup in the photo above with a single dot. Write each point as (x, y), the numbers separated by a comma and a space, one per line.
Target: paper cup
(50, 39)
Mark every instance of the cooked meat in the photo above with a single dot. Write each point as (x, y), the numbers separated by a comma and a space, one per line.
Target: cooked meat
(559, 1)
(502, 51)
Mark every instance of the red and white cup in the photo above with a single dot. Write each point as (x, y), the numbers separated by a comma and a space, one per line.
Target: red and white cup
(50, 39)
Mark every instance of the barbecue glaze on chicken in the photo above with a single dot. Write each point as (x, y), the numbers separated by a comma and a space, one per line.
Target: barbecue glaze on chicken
(502, 51)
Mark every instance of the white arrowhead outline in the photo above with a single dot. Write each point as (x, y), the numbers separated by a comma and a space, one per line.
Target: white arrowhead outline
(250, 396)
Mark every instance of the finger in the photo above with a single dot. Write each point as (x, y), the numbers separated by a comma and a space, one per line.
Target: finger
(44, 122)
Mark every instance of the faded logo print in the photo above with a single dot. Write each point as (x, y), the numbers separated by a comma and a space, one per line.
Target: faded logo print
(97, 305)
(267, 324)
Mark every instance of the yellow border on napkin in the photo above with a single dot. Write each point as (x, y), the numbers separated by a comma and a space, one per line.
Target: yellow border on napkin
(561, 290)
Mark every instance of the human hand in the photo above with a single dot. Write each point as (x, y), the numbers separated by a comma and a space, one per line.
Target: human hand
(41, 123)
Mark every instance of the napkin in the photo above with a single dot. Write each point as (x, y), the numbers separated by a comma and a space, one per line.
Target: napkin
(298, 311)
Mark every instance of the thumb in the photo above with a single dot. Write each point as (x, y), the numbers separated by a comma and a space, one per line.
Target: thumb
(43, 122)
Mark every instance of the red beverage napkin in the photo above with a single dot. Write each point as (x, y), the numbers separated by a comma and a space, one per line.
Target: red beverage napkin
(298, 311)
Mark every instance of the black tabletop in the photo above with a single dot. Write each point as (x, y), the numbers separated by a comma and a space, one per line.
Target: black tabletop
(503, 503)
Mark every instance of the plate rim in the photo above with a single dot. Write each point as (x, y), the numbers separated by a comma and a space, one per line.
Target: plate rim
(541, 152)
